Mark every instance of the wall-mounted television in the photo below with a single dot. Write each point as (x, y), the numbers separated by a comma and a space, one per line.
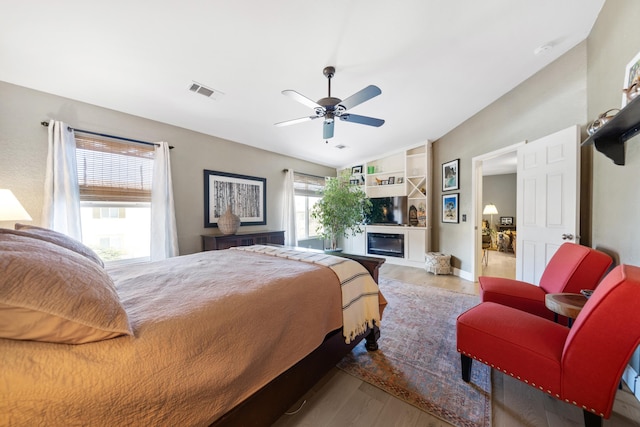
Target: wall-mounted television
(388, 211)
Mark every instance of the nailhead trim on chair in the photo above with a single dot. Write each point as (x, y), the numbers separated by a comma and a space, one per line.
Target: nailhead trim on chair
(527, 382)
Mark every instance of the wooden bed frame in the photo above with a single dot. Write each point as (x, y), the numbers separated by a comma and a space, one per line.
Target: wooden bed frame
(268, 404)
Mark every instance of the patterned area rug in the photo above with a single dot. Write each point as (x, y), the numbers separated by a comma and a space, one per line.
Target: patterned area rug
(417, 360)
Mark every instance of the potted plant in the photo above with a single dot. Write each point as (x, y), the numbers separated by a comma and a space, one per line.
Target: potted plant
(341, 210)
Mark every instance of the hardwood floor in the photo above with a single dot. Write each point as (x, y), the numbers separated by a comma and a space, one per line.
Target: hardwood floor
(342, 400)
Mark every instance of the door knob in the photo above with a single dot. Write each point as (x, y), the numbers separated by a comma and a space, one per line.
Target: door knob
(567, 236)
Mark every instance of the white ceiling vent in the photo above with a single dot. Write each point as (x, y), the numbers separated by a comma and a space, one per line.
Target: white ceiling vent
(205, 91)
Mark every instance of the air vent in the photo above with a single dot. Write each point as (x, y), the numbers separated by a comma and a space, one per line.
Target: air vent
(205, 91)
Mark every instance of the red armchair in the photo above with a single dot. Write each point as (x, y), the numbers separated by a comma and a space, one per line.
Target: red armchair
(572, 268)
(582, 365)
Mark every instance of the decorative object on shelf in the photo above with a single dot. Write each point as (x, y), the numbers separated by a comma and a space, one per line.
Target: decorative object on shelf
(247, 196)
(371, 170)
(450, 175)
(491, 210)
(422, 215)
(229, 222)
(602, 120)
(356, 170)
(632, 91)
(631, 83)
(341, 210)
(400, 180)
(450, 208)
(392, 180)
(413, 216)
(611, 137)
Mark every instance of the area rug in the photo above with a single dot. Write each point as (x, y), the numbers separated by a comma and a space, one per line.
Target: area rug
(417, 360)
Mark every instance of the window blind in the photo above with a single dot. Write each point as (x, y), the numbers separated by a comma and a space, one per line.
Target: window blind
(307, 185)
(110, 170)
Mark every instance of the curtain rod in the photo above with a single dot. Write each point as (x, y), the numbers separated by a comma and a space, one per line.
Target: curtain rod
(304, 174)
(46, 124)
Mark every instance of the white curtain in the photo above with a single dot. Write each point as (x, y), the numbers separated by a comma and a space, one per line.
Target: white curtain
(289, 211)
(164, 234)
(61, 210)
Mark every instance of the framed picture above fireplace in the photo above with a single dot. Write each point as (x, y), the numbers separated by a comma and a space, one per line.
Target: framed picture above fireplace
(450, 208)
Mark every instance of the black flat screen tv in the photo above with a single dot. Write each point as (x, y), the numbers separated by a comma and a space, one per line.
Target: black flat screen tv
(388, 211)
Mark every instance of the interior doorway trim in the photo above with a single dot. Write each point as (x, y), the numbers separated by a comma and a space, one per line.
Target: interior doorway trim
(476, 203)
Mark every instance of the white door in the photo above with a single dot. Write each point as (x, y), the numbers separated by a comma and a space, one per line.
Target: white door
(548, 200)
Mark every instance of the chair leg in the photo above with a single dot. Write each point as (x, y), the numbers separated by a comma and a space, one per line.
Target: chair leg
(466, 367)
(591, 419)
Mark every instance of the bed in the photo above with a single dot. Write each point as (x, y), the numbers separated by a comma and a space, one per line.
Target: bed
(229, 337)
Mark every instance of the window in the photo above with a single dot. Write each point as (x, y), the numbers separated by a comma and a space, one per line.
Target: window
(306, 190)
(115, 196)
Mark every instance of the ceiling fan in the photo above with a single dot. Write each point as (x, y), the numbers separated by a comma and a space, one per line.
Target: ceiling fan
(331, 107)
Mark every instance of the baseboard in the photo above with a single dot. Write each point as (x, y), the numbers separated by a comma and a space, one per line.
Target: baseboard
(630, 377)
(463, 274)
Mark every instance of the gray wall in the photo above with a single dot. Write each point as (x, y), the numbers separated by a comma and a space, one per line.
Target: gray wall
(551, 100)
(613, 42)
(573, 90)
(501, 191)
(23, 151)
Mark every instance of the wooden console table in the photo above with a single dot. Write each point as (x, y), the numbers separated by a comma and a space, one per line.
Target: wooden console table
(214, 242)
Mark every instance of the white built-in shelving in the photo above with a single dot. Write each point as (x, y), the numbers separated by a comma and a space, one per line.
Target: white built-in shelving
(402, 173)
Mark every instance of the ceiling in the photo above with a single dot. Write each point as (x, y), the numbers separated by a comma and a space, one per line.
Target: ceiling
(437, 62)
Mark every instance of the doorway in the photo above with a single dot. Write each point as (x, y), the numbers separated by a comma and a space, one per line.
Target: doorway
(494, 174)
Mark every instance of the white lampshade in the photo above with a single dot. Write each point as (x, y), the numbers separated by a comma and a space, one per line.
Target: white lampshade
(10, 208)
(490, 209)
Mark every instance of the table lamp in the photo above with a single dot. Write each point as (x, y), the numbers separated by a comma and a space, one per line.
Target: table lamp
(10, 208)
(490, 209)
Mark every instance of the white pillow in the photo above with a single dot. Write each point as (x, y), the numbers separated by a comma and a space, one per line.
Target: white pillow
(59, 239)
(49, 293)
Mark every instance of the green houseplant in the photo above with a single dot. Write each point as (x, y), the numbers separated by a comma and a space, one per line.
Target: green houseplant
(341, 210)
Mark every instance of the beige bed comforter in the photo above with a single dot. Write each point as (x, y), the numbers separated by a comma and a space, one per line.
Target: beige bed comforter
(210, 329)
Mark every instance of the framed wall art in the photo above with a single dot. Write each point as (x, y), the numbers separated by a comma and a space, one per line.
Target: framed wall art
(247, 196)
(451, 175)
(632, 72)
(450, 208)
(506, 220)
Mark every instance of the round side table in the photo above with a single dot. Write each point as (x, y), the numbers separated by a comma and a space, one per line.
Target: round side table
(565, 304)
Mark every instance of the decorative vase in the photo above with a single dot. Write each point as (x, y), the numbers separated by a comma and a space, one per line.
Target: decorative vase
(229, 222)
(602, 120)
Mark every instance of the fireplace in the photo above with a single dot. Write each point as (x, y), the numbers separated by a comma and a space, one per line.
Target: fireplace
(387, 244)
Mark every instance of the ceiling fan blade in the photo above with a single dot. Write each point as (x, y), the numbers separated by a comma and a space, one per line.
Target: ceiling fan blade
(327, 129)
(294, 121)
(363, 120)
(301, 99)
(359, 97)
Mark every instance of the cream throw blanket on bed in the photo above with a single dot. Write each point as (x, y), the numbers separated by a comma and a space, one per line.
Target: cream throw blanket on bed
(360, 305)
